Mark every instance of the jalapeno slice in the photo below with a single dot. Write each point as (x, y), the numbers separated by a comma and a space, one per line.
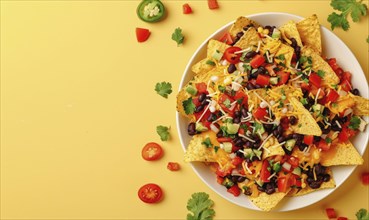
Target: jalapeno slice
(151, 10)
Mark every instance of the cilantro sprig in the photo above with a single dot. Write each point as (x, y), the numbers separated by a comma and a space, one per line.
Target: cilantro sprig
(200, 207)
(163, 132)
(354, 123)
(189, 106)
(356, 9)
(177, 36)
(164, 89)
(362, 214)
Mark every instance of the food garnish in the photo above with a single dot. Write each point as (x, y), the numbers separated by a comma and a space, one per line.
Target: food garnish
(151, 10)
(142, 34)
(200, 206)
(213, 4)
(164, 89)
(187, 9)
(150, 193)
(173, 166)
(152, 151)
(362, 214)
(163, 132)
(177, 36)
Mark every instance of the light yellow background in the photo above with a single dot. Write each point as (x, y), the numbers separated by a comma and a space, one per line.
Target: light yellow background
(78, 104)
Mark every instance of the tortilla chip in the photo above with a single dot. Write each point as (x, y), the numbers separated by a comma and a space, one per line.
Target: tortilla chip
(330, 78)
(250, 38)
(289, 30)
(306, 123)
(271, 45)
(202, 67)
(287, 52)
(253, 100)
(341, 104)
(240, 23)
(309, 30)
(215, 45)
(325, 185)
(342, 154)
(267, 202)
(272, 148)
(361, 106)
(181, 97)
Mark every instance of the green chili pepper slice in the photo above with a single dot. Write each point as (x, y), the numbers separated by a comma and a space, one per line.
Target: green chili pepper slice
(151, 10)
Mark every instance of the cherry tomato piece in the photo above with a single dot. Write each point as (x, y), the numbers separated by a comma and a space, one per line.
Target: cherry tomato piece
(224, 139)
(187, 9)
(142, 34)
(150, 193)
(260, 113)
(342, 218)
(225, 102)
(213, 4)
(257, 61)
(323, 145)
(331, 213)
(231, 56)
(264, 172)
(235, 190)
(283, 182)
(365, 178)
(308, 139)
(173, 166)
(227, 38)
(332, 96)
(241, 98)
(262, 80)
(201, 87)
(152, 151)
(283, 77)
(315, 80)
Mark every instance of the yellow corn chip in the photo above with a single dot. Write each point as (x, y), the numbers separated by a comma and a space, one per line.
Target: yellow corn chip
(341, 104)
(361, 106)
(341, 154)
(309, 30)
(250, 38)
(267, 202)
(272, 148)
(215, 45)
(330, 78)
(202, 67)
(181, 97)
(287, 52)
(240, 23)
(289, 30)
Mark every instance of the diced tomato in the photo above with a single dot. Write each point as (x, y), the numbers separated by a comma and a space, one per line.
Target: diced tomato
(173, 166)
(308, 139)
(220, 180)
(257, 61)
(295, 180)
(237, 161)
(235, 190)
(222, 173)
(283, 77)
(142, 34)
(285, 122)
(346, 85)
(241, 98)
(332, 96)
(331, 213)
(231, 56)
(213, 4)
(269, 68)
(365, 178)
(152, 151)
(345, 134)
(227, 38)
(294, 161)
(315, 79)
(260, 113)
(314, 91)
(225, 102)
(323, 145)
(346, 76)
(264, 172)
(187, 9)
(342, 218)
(305, 86)
(196, 101)
(284, 182)
(262, 80)
(150, 193)
(201, 87)
(224, 139)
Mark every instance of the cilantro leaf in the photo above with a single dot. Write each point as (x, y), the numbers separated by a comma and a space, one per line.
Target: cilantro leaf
(321, 73)
(163, 89)
(207, 142)
(227, 103)
(189, 106)
(200, 207)
(354, 123)
(355, 8)
(163, 132)
(362, 214)
(177, 36)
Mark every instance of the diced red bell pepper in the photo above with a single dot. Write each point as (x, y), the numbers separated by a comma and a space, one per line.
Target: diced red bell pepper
(283, 77)
(260, 113)
(308, 139)
(262, 80)
(331, 213)
(187, 9)
(315, 79)
(332, 96)
(227, 38)
(213, 4)
(257, 61)
(237, 161)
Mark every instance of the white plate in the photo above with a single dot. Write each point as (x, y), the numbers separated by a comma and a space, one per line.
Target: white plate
(332, 47)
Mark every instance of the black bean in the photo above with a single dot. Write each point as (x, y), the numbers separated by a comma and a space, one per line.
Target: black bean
(237, 114)
(202, 97)
(231, 68)
(247, 192)
(250, 54)
(309, 179)
(240, 154)
(258, 86)
(317, 138)
(237, 120)
(191, 129)
(326, 112)
(261, 189)
(335, 127)
(302, 146)
(255, 158)
(319, 169)
(355, 92)
(248, 160)
(199, 108)
(268, 127)
(293, 42)
(326, 177)
(276, 133)
(254, 75)
(234, 179)
(240, 179)
(326, 130)
(212, 117)
(269, 188)
(235, 40)
(240, 34)
(293, 120)
(261, 70)
(220, 134)
(248, 144)
(249, 86)
(343, 120)
(297, 49)
(239, 142)
(315, 184)
(281, 139)
(244, 112)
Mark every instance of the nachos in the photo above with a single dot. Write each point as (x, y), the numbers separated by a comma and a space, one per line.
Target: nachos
(269, 114)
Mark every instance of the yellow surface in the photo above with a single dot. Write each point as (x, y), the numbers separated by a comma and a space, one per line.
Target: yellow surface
(78, 103)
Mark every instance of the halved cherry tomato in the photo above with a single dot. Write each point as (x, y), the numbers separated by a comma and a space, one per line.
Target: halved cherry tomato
(187, 9)
(142, 34)
(308, 139)
(152, 151)
(323, 145)
(331, 213)
(315, 79)
(241, 98)
(264, 172)
(227, 38)
(283, 77)
(173, 166)
(257, 61)
(332, 96)
(224, 139)
(201, 87)
(225, 102)
(365, 178)
(262, 80)
(260, 113)
(230, 56)
(150, 193)
(235, 190)
(213, 4)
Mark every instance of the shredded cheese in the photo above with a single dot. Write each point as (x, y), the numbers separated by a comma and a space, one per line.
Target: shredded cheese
(244, 50)
(271, 176)
(262, 144)
(246, 168)
(202, 115)
(259, 44)
(338, 124)
(296, 78)
(317, 95)
(244, 136)
(277, 145)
